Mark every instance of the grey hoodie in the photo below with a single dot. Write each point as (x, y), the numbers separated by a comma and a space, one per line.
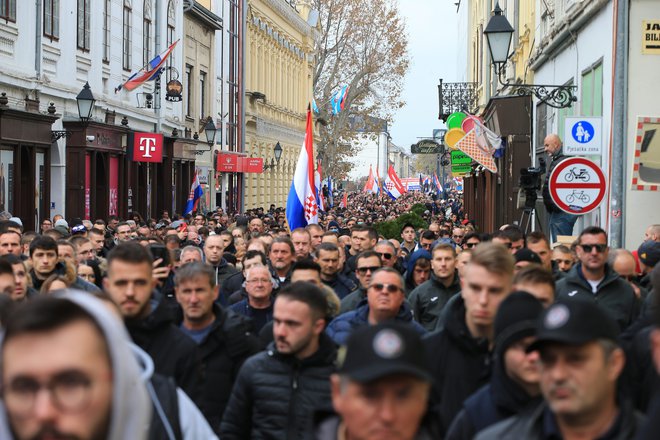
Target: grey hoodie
(131, 406)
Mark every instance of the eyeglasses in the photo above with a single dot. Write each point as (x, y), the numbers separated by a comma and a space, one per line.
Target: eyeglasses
(385, 255)
(390, 288)
(471, 245)
(458, 236)
(426, 245)
(69, 392)
(600, 248)
(363, 270)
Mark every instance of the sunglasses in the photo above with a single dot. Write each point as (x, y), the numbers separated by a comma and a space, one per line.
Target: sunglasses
(390, 288)
(600, 248)
(385, 255)
(471, 245)
(364, 270)
(458, 236)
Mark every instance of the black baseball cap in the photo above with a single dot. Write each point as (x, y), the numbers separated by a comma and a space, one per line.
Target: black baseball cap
(525, 254)
(574, 322)
(374, 352)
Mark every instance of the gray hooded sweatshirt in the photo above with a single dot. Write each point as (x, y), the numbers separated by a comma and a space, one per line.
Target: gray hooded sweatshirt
(131, 406)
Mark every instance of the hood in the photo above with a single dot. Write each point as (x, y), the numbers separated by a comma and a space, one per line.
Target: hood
(131, 406)
(422, 253)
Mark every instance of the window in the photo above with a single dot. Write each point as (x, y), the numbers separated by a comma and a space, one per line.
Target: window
(126, 56)
(188, 83)
(107, 15)
(202, 95)
(8, 10)
(592, 90)
(146, 33)
(52, 19)
(83, 24)
(171, 27)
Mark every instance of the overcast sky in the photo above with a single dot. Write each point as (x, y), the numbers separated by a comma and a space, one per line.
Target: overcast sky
(433, 46)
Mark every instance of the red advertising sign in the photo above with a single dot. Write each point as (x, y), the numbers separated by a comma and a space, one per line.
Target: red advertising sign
(88, 186)
(148, 147)
(253, 165)
(113, 183)
(229, 163)
(577, 185)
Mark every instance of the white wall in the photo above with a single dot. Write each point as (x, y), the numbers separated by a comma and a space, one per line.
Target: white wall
(591, 43)
(642, 208)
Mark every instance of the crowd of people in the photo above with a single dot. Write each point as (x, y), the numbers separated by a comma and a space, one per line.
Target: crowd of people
(231, 326)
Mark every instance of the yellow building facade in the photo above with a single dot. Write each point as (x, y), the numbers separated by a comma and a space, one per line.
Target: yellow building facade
(278, 85)
(521, 15)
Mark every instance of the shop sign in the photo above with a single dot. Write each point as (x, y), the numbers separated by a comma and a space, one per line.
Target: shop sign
(229, 163)
(651, 37)
(173, 91)
(253, 165)
(148, 147)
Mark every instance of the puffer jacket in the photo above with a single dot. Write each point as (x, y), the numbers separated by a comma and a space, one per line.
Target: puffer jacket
(429, 299)
(533, 424)
(275, 395)
(460, 364)
(614, 294)
(343, 325)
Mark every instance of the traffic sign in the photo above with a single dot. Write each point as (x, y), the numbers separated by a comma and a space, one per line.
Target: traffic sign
(583, 136)
(577, 185)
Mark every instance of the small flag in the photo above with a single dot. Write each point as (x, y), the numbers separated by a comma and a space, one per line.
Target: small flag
(331, 201)
(301, 206)
(379, 183)
(196, 193)
(369, 186)
(437, 184)
(315, 107)
(148, 72)
(338, 101)
(317, 182)
(393, 185)
(344, 200)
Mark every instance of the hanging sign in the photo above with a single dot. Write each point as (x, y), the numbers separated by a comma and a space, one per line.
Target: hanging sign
(148, 147)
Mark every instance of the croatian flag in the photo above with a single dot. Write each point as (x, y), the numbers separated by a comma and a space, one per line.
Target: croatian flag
(393, 184)
(301, 205)
(318, 177)
(436, 182)
(196, 193)
(378, 181)
(148, 72)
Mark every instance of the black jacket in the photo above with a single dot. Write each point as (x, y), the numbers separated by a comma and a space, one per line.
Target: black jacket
(222, 353)
(459, 363)
(341, 284)
(614, 294)
(230, 285)
(429, 298)
(275, 395)
(547, 200)
(499, 400)
(530, 425)
(352, 300)
(174, 354)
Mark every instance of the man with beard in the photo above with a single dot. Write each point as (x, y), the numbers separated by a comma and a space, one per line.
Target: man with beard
(282, 256)
(278, 390)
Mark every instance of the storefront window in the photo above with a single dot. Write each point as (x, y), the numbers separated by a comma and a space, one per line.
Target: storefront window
(6, 180)
(39, 184)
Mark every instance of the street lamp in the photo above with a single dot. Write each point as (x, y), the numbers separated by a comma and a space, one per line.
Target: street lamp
(210, 130)
(85, 100)
(278, 155)
(498, 34)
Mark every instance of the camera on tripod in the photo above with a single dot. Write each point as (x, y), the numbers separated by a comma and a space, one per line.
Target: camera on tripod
(529, 183)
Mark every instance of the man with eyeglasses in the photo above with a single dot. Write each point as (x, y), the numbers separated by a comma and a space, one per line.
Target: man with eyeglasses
(387, 253)
(592, 278)
(258, 306)
(368, 262)
(471, 240)
(426, 240)
(429, 298)
(46, 224)
(385, 302)
(457, 236)
(79, 371)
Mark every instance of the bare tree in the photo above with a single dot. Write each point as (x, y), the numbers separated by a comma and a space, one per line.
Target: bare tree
(362, 44)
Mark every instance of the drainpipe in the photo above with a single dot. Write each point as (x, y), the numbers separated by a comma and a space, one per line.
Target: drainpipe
(243, 34)
(618, 159)
(38, 37)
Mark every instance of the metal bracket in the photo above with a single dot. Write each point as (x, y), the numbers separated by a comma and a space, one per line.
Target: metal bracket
(56, 135)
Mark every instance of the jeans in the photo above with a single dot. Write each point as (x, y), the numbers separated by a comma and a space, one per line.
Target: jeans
(561, 223)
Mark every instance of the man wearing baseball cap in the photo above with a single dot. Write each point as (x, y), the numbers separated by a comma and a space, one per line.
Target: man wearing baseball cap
(381, 389)
(580, 365)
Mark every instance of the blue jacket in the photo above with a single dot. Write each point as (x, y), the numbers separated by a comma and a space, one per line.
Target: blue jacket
(341, 327)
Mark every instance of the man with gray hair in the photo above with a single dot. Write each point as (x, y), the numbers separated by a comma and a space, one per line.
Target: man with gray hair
(224, 338)
(190, 254)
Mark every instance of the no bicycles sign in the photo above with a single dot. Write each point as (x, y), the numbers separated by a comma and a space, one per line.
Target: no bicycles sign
(577, 185)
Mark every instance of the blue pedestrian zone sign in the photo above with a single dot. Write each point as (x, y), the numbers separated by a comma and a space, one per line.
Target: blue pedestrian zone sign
(583, 136)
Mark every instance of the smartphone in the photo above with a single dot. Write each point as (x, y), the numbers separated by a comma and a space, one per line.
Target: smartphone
(160, 251)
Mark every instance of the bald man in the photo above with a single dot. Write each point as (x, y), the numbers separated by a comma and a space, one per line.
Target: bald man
(561, 223)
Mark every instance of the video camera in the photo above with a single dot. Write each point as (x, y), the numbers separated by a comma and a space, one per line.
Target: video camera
(529, 183)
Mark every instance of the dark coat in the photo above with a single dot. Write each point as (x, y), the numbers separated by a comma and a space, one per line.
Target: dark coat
(341, 285)
(530, 425)
(275, 395)
(230, 285)
(223, 271)
(173, 352)
(459, 363)
(352, 300)
(343, 325)
(547, 200)
(614, 294)
(222, 353)
(429, 298)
